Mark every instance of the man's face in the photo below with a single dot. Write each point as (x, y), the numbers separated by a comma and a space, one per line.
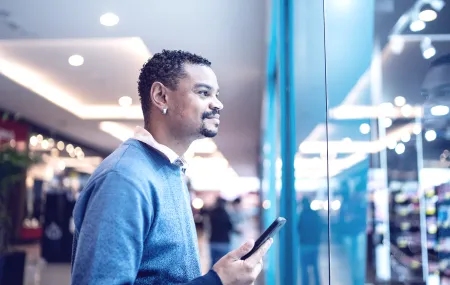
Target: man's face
(194, 106)
(436, 91)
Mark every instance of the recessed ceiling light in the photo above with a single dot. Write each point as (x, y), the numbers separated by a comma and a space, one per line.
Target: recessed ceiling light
(428, 15)
(109, 19)
(439, 110)
(400, 148)
(76, 60)
(125, 101)
(417, 26)
(364, 128)
(417, 129)
(400, 101)
(430, 135)
(387, 122)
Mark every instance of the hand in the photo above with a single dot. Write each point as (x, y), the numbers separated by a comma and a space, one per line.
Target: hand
(234, 271)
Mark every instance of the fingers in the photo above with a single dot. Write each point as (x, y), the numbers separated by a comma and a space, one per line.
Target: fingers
(258, 268)
(243, 250)
(258, 255)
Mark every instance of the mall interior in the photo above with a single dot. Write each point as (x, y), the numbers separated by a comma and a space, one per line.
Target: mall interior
(335, 118)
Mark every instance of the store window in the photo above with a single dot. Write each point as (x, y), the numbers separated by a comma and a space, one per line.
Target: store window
(388, 72)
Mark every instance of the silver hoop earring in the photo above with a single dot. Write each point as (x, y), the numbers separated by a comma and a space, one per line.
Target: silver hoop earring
(164, 111)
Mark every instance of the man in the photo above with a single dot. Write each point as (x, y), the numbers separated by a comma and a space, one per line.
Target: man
(436, 92)
(133, 219)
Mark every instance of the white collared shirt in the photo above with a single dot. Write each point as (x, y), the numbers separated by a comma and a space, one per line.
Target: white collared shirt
(146, 137)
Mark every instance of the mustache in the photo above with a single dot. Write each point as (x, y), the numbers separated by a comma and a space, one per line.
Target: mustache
(211, 114)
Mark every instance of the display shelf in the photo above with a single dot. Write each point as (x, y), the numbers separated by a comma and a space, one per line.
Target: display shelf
(405, 229)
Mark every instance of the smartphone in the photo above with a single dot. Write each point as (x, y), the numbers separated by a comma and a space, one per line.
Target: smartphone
(274, 228)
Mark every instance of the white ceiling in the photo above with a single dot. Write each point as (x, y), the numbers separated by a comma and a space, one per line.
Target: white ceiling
(39, 36)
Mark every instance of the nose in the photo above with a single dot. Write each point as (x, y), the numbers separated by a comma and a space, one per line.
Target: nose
(216, 104)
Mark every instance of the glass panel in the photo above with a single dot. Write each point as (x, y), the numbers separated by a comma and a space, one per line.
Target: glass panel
(311, 182)
(388, 73)
(349, 45)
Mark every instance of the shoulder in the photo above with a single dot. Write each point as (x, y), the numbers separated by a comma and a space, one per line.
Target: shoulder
(132, 160)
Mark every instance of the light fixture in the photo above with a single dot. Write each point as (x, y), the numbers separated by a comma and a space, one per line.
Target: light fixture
(109, 19)
(69, 148)
(387, 122)
(347, 140)
(391, 144)
(336, 205)
(266, 204)
(33, 141)
(76, 60)
(406, 137)
(406, 110)
(364, 128)
(386, 106)
(125, 101)
(439, 110)
(40, 138)
(417, 129)
(437, 4)
(197, 203)
(60, 145)
(117, 130)
(427, 14)
(430, 135)
(397, 44)
(399, 101)
(51, 143)
(78, 150)
(80, 155)
(417, 26)
(44, 144)
(400, 148)
(428, 50)
(316, 205)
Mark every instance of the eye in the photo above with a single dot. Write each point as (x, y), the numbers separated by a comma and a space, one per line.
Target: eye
(203, 93)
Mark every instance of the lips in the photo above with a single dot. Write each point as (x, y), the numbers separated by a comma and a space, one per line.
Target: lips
(214, 118)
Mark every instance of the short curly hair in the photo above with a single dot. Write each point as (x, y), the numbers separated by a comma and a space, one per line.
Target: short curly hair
(166, 67)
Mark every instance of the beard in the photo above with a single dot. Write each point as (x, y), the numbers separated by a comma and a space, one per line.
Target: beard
(204, 131)
(207, 133)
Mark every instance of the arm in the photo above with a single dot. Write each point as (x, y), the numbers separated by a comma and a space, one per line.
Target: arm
(111, 235)
(211, 278)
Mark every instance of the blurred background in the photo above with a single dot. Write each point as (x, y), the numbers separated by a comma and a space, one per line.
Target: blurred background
(336, 118)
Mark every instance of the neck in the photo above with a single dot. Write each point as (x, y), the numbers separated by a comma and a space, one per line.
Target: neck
(163, 135)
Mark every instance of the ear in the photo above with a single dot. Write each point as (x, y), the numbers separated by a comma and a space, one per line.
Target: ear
(158, 95)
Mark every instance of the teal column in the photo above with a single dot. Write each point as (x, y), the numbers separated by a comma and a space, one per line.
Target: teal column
(288, 202)
(270, 145)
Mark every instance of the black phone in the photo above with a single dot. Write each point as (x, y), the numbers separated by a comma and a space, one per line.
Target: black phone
(274, 228)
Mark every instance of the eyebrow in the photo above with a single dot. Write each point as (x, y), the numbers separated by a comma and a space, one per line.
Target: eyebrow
(203, 85)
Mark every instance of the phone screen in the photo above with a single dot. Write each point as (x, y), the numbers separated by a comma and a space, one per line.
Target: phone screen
(268, 233)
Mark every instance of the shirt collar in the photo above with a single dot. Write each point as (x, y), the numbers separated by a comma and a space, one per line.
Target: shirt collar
(146, 137)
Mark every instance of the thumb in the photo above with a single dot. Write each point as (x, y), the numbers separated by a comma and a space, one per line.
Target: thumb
(242, 250)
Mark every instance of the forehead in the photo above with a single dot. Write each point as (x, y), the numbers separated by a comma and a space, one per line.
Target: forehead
(437, 76)
(201, 74)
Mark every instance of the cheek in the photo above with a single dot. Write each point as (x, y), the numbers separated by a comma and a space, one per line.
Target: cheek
(188, 113)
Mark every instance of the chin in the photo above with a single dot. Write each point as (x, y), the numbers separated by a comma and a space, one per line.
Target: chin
(208, 133)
